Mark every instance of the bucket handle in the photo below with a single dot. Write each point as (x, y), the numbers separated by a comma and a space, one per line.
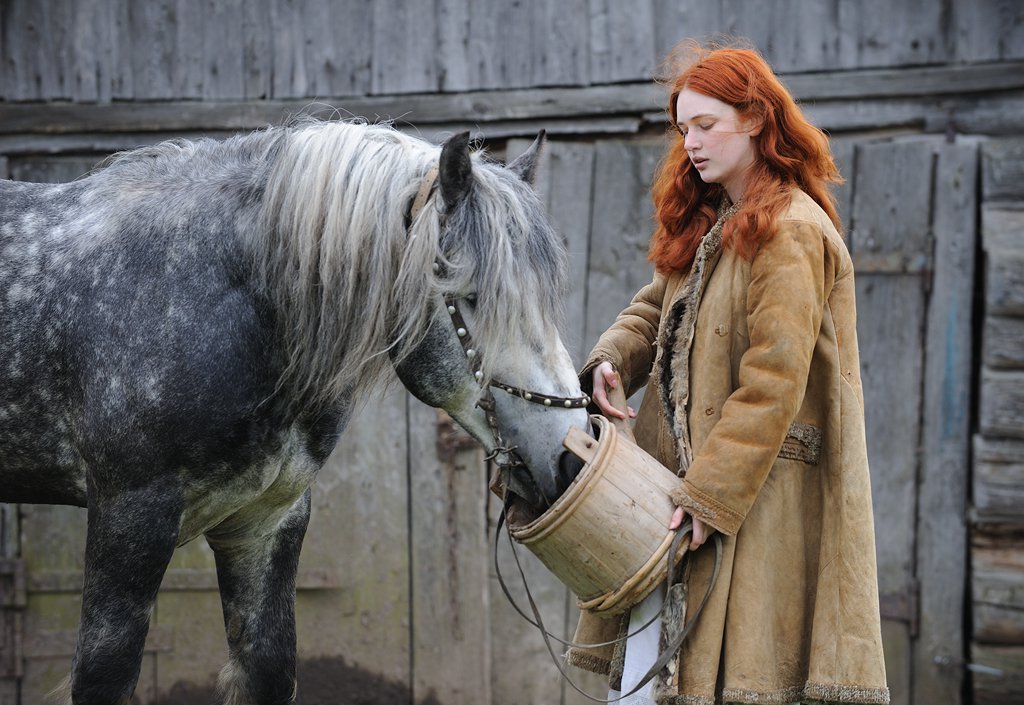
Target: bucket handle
(617, 398)
(670, 649)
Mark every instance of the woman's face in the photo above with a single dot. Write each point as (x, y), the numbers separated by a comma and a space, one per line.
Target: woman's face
(719, 142)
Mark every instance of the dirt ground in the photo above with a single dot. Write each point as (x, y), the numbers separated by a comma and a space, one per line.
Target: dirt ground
(321, 682)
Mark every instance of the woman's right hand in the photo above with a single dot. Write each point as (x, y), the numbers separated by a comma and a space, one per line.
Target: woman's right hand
(605, 377)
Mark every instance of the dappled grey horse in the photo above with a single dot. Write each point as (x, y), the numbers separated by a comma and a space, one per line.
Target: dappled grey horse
(184, 333)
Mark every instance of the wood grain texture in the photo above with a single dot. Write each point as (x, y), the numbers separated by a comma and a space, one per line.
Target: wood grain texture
(359, 534)
(1000, 680)
(622, 224)
(1001, 406)
(998, 479)
(1002, 342)
(891, 214)
(942, 483)
(450, 604)
(1002, 169)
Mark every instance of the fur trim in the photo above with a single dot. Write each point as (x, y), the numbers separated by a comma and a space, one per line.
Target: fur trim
(586, 661)
(846, 693)
(676, 338)
(809, 694)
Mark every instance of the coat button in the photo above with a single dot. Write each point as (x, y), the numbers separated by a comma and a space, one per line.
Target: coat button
(722, 329)
(709, 412)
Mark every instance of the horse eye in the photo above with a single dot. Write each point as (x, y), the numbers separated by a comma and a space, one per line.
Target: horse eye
(470, 300)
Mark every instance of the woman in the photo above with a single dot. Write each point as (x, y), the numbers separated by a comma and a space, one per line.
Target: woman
(747, 337)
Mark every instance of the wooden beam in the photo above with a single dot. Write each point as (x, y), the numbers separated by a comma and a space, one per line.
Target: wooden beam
(919, 85)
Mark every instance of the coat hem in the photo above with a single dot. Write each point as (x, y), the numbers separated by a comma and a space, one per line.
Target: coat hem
(810, 694)
(587, 662)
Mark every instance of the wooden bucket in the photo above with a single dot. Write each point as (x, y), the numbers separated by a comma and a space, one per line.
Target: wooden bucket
(607, 536)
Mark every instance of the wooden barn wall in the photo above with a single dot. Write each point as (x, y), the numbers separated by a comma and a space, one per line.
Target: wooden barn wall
(997, 537)
(125, 50)
(398, 598)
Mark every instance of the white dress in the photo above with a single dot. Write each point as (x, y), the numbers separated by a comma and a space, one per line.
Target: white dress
(641, 650)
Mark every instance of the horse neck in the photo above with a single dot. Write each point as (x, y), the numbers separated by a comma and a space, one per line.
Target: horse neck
(337, 262)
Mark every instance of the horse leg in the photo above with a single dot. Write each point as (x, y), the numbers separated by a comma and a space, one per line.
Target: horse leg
(256, 567)
(130, 539)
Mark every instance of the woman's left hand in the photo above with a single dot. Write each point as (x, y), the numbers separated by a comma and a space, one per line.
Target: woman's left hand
(699, 532)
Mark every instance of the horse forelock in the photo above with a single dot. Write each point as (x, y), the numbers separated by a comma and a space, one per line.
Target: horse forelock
(356, 287)
(516, 264)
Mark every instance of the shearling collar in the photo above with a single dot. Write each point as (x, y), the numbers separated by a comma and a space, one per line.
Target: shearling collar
(676, 338)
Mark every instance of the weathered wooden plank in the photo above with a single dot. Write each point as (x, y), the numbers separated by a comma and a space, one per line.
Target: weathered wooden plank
(404, 37)
(1004, 283)
(502, 44)
(890, 309)
(257, 60)
(1002, 224)
(359, 532)
(992, 30)
(338, 49)
(998, 480)
(997, 674)
(873, 90)
(153, 27)
(449, 548)
(898, 652)
(997, 593)
(187, 628)
(843, 151)
(620, 231)
(941, 544)
(523, 671)
(1001, 406)
(1002, 169)
(892, 198)
(222, 56)
(52, 538)
(561, 43)
(620, 44)
(104, 144)
(884, 33)
(1002, 342)
(288, 66)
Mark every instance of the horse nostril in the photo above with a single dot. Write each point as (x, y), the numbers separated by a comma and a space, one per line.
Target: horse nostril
(569, 466)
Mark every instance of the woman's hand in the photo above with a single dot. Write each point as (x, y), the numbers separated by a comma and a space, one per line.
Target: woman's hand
(605, 377)
(699, 532)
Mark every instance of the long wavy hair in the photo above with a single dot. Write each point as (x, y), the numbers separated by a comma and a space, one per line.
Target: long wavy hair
(790, 153)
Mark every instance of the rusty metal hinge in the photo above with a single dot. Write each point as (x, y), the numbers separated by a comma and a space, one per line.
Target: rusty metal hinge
(903, 606)
(13, 598)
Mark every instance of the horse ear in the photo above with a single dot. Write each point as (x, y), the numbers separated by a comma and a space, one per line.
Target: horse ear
(455, 171)
(525, 165)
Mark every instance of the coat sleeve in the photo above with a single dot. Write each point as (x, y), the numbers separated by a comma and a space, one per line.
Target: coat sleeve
(629, 341)
(789, 280)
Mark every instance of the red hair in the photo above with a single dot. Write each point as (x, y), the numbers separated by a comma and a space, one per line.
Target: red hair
(790, 153)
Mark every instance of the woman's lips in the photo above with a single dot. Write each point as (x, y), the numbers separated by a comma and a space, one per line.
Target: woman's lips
(699, 162)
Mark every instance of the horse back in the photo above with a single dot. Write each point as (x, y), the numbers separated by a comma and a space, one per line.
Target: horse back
(132, 339)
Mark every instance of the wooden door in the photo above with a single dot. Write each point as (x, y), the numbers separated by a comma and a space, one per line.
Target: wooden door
(909, 209)
(910, 216)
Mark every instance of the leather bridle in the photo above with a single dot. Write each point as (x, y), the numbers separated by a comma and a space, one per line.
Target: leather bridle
(486, 402)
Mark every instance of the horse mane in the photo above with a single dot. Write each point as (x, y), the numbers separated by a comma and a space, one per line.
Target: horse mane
(355, 287)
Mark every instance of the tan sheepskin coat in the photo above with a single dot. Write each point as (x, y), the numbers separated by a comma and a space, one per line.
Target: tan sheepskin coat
(754, 397)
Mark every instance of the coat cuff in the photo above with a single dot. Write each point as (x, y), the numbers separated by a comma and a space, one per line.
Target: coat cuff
(706, 508)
